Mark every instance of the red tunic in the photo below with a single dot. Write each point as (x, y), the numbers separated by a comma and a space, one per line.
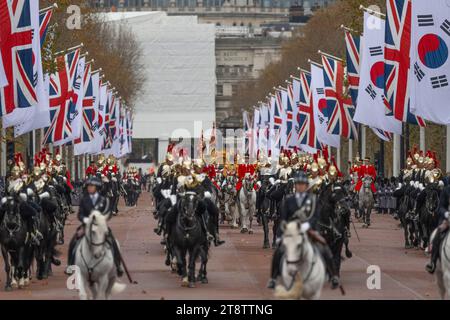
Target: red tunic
(91, 171)
(362, 172)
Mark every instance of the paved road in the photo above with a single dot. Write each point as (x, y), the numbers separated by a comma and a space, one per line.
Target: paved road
(239, 269)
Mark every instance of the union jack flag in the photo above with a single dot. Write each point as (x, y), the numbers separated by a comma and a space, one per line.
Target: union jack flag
(306, 129)
(352, 44)
(107, 136)
(88, 110)
(129, 130)
(248, 133)
(396, 56)
(17, 56)
(61, 92)
(340, 109)
(277, 114)
(384, 135)
(115, 110)
(291, 104)
(44, 21)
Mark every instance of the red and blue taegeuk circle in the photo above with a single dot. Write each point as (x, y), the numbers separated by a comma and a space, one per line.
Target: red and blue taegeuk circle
(377, 74)
(433, 51)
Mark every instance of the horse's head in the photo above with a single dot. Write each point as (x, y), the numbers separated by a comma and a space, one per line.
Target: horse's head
(367, 181)
(294, 238)
(338, 192)
(11, 220)
(97, 230)
(248, 183)
(188, 205)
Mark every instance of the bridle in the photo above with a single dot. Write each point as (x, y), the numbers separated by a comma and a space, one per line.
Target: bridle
(300, 260)
(17, 222)
(182, 215)
(91, 245)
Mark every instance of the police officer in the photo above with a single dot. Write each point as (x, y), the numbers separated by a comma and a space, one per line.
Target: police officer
(93, 200)
(302, 206)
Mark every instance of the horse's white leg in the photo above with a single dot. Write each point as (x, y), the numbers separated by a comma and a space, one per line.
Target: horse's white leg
(82, 285)
(102, 287)
(440, 283)
(446, 284)
(13, 278)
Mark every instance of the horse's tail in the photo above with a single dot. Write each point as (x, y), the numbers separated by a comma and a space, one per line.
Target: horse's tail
(118, 287)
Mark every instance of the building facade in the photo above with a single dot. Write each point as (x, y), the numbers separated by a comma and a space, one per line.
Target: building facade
(248, 35)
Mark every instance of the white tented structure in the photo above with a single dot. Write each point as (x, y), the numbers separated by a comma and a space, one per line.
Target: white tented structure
(178, 96)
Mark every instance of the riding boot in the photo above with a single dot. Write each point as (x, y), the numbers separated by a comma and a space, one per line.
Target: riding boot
(116, 254)
(32, 232)
(36, 231)
(329, 262)
(71, 253)
(275, 271)
(209, 237)
(436, 244)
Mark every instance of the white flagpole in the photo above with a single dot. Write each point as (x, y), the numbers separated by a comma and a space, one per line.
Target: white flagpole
(422, 139)
(363, 141)
(338, 157)
(350, 150)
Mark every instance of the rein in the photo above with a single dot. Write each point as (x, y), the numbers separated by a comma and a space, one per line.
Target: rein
(298, 261)
(99, 260)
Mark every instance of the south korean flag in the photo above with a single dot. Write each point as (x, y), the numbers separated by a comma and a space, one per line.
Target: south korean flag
(429, 71)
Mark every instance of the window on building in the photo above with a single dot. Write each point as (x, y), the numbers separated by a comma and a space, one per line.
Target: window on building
(234, 89)
(242, 24)
(218, 24)
(234, 24)
(219, 90)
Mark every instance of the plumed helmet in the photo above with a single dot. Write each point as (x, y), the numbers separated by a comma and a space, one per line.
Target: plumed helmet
(322, 163)
(332, 171)
(300, 177)
(165, 170)
(15, 171)
(314, 167)
(199, 163)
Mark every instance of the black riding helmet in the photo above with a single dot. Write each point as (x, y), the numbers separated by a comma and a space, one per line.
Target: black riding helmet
(300, 177)
(94, 181)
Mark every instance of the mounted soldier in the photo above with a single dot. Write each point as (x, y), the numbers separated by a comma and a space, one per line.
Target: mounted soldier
(93, 200)
(303, 207)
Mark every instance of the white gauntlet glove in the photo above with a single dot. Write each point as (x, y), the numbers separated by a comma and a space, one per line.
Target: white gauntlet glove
(173, 199)
(44, 195)
(207, 195)
(272, 180)
(159, 180)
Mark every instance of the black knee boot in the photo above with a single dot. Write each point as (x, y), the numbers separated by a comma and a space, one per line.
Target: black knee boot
(329, 262)
(436, 244)
(275, 271)
(116, 254)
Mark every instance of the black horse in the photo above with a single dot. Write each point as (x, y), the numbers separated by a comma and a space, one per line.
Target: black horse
(188, 236)
(334, 220)
(276, 194)
(16, 248)
(428, 213)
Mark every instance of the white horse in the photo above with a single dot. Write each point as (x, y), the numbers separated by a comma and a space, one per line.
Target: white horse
(303, 271)
(443, 266)
(247, 204)
(229, 201)
(94, 258)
